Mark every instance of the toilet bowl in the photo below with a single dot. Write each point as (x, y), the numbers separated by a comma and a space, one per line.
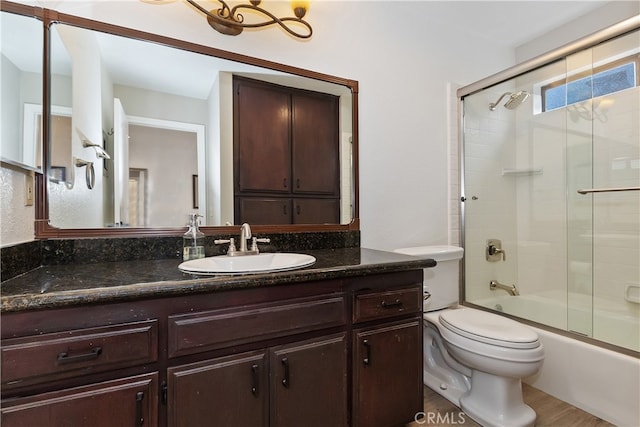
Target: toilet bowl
(473, 358)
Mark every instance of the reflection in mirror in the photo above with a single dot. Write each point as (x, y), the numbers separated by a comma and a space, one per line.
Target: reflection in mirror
(164, 116)
(21, 90)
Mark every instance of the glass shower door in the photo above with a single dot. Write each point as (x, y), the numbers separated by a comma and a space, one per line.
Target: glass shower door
(616, 214)
(555, 179)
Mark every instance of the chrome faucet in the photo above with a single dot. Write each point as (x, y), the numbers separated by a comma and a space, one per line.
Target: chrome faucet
(513, 291)
(245, 233)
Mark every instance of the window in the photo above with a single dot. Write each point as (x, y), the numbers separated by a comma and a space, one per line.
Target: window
(610, 78)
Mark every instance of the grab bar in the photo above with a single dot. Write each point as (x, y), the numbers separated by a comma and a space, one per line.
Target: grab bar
(607, 190)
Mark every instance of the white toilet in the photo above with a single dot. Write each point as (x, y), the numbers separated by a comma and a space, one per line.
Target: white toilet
(473, 358)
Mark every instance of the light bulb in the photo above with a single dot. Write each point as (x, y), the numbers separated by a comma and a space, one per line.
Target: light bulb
(300, 7)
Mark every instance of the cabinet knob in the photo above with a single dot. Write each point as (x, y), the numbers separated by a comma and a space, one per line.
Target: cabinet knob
(367, 358)
(139, 417)
(286, 380)
(255, 379)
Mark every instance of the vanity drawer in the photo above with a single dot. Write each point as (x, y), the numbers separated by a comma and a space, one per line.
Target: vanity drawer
(41, 358)
(382, 304)
(208, 330)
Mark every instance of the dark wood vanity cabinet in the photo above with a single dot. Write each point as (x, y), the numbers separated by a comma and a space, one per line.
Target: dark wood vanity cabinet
(33, 361)
(278, 385)
(130, 401)
(288, 385)
(225, 391)
(340, 352)
(286, 155)
(387, 362)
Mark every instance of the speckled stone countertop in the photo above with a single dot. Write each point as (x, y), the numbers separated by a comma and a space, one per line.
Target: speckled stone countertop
(77, 284)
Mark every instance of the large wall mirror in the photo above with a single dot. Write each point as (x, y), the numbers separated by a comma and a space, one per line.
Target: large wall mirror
(139, 131)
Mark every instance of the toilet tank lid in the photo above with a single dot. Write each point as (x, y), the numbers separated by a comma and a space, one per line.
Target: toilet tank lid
(439, 253)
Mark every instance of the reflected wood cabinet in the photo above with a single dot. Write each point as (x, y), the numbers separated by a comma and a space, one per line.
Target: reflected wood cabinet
(341, 352)
(286, 155)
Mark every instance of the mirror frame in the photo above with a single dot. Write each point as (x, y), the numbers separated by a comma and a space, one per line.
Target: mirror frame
(43, 228)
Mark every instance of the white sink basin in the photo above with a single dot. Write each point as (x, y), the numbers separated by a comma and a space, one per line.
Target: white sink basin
(247, 264)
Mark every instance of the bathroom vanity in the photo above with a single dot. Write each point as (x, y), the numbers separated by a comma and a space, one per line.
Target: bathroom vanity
(141, 343)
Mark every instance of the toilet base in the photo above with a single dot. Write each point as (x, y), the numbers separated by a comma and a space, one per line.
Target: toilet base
(438, 373)
(495, 401)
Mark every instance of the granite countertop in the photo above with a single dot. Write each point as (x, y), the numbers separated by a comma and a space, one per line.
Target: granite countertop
(74, 284)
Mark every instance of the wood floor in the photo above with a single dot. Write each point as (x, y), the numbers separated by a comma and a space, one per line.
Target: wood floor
(551, 412)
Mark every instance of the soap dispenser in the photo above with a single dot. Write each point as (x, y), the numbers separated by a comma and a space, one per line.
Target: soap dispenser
(193, 240)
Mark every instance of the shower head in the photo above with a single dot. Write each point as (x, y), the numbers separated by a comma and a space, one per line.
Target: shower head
(514, 101)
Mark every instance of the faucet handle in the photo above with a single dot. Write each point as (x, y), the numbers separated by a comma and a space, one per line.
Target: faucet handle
(494, 251)
(255, 241)
(232, 244)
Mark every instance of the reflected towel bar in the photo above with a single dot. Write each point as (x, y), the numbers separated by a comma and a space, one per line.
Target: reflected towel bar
(607, 190)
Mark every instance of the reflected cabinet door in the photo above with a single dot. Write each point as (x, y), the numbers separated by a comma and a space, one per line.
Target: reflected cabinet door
(316, 211)
(315, 162)
(262, 152)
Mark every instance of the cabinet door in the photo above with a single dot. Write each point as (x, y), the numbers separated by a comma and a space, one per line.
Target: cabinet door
(260, 210)
(316, 165)
(226, 391)
(262, 152)
(309, 383)
(387, 366)
(316, 211)
(130, 401)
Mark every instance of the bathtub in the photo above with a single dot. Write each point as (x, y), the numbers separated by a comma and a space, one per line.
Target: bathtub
(602, 382)
(614, 322)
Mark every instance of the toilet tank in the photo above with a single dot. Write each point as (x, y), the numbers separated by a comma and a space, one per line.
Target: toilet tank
(441, 281)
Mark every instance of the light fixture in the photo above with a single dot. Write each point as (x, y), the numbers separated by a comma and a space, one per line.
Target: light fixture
(230, 21)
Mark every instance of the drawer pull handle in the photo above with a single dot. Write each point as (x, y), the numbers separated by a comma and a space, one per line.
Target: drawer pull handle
(64, 357)
(286, 380)
(139, 417)
(255, 379)
(396, 303)
(367, 347)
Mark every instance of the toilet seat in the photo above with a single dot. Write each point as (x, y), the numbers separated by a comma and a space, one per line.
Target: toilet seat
(489, 328)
